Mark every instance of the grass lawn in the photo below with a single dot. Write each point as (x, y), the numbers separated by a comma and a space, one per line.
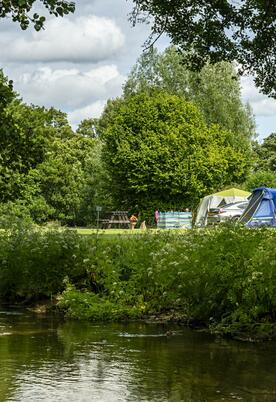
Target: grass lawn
(86, 231)
(127, 232)
(113, 232)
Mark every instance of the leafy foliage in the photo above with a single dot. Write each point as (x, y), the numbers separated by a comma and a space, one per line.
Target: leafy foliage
(68, 179)
(208, 30)
(46, 170)
(20, 11)
(6, 92)
(88, 128)
(261, 178)
(160, 153)
(65, 186)
(13, 213)
(215, 89)
(26, 134)
(222, 277)
(34, 263)
(90, 306)
(264, 167)
(266, 154)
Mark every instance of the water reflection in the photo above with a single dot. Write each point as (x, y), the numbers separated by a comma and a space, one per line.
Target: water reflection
(47, 359)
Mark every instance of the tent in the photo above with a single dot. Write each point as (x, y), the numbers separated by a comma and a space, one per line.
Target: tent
(261, 210)
(216, 200)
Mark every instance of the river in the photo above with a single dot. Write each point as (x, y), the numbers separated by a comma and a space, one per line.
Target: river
(44, 358)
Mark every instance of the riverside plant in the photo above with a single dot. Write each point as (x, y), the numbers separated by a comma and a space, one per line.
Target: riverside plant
(223, 278)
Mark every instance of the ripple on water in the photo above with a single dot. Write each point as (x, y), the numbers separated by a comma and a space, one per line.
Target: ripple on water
(55, 362)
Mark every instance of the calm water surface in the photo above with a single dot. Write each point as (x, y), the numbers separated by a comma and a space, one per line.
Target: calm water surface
(47, 359)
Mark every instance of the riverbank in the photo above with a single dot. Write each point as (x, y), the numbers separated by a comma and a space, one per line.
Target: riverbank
(223, 279)
(48, 358)
(251, 332)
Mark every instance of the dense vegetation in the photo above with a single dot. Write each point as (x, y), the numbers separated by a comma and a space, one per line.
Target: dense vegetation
(221, 278)
(47, 171)
(207, 30)
(215, 89)
(264, 166)
(171, 138)
(161, 154)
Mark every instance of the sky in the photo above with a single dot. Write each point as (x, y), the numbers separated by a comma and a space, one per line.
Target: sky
(81, 60)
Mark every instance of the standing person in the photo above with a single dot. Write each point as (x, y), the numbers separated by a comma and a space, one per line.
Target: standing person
(156, 216)
(133, 220)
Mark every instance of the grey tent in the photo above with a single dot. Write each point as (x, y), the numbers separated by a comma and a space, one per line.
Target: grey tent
(216, 200)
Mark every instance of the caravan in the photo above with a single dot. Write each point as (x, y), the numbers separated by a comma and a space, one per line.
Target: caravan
(261, 210)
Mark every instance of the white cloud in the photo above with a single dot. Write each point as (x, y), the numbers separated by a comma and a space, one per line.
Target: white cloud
(89, 111)
(99, 31)
(83, 39)
(69, 89)
(264, 107)
(261, 104)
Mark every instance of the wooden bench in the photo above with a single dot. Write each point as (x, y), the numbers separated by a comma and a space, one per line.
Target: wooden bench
(118, 218)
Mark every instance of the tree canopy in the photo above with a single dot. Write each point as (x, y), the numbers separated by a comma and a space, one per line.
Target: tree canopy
(243, 31)
(21, 11)
(87, 128)
(47, 171)
(160, 152)
(25, 141)
(266, 154)
(261, 178)
(215, 89)
(66, 181)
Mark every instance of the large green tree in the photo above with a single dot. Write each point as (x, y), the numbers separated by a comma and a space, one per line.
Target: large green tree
(21, 11)
(160, 152)
(66, 180)
(263, 172)
(88, 128)
(210, 30)
(260, 178)
(65, 186)
(215, 89)
(47, 171)
(266, 154)
(25, 141)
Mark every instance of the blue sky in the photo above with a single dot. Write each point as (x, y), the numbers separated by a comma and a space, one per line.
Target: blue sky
(81, 60)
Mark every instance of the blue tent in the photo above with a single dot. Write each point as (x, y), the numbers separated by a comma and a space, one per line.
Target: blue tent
(261, 210)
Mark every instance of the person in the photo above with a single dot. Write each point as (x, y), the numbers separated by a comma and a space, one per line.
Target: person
(133, 220)
(143, 225)
(156, 216)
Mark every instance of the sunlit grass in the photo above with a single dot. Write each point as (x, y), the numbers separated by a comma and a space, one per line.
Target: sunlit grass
(109, 232)
(86, 231)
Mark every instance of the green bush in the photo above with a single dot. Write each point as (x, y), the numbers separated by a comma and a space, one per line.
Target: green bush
(89, 306)
(224, 277)
(35, 261)
(14, 213)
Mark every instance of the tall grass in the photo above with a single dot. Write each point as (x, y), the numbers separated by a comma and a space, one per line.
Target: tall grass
(224, 277)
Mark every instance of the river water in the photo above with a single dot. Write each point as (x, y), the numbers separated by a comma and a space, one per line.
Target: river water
(44, 358)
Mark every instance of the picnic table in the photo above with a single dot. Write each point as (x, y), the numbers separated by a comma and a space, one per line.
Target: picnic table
(117, 219)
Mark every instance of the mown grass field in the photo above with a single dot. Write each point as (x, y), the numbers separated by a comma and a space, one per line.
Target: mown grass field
(126, 232)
